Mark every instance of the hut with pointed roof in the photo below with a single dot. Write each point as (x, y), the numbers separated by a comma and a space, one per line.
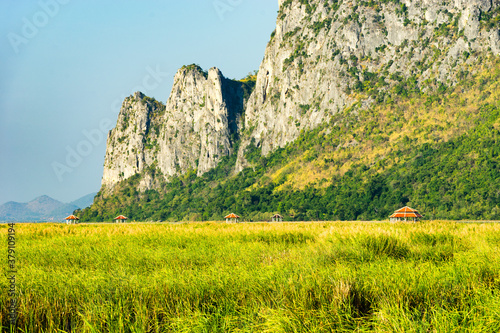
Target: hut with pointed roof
(232, 218)
(405, 214)
(277, 218)
(120, 218)
(71, 219)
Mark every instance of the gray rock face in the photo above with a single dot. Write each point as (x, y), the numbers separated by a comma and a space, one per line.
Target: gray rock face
(321, 50)
(194, 130)
(323, 57)
(495, 42)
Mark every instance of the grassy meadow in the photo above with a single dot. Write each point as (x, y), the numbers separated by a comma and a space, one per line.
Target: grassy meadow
(256, 277)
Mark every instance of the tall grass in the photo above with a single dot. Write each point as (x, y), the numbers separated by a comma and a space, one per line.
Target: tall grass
(304, 277)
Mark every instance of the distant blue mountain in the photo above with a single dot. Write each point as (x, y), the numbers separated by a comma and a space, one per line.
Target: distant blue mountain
(43, 208)
(84, 201)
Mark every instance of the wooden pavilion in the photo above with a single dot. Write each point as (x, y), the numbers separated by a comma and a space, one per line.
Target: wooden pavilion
(120, 219)
(232, 218)
(405, 214)
(71, 219)
(277, 218)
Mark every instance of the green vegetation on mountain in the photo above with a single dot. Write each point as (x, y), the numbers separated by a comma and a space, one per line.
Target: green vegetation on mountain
(196, 68)
(248, 84)
(435, 149)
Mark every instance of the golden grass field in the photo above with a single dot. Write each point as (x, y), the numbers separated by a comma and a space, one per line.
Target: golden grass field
(256, 277)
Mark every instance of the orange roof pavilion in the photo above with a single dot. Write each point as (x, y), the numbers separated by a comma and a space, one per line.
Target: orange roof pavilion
(120, 218)
(405, 214)
(232, 218)
(71, 219)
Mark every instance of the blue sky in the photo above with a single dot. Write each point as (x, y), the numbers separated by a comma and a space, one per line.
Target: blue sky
(66, 66)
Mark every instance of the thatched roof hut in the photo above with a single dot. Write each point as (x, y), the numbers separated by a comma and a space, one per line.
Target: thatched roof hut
(71, 219)
(120, 219)
(405, 214)
(232, 218)
(277, 218)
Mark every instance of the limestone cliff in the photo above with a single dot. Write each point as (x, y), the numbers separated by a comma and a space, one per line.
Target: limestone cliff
(194, 130)
(323, 57)
(324, 54)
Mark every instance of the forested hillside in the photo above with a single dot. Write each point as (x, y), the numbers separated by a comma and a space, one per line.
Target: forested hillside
(433, 149)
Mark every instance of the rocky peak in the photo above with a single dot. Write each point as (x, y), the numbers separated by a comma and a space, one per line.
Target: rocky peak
(128, 141)
(324, 56)
(194, 129)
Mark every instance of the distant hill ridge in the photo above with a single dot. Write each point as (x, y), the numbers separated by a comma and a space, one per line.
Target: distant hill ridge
(43, 208)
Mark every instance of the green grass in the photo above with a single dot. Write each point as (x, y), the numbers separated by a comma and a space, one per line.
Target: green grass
(260, 277)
